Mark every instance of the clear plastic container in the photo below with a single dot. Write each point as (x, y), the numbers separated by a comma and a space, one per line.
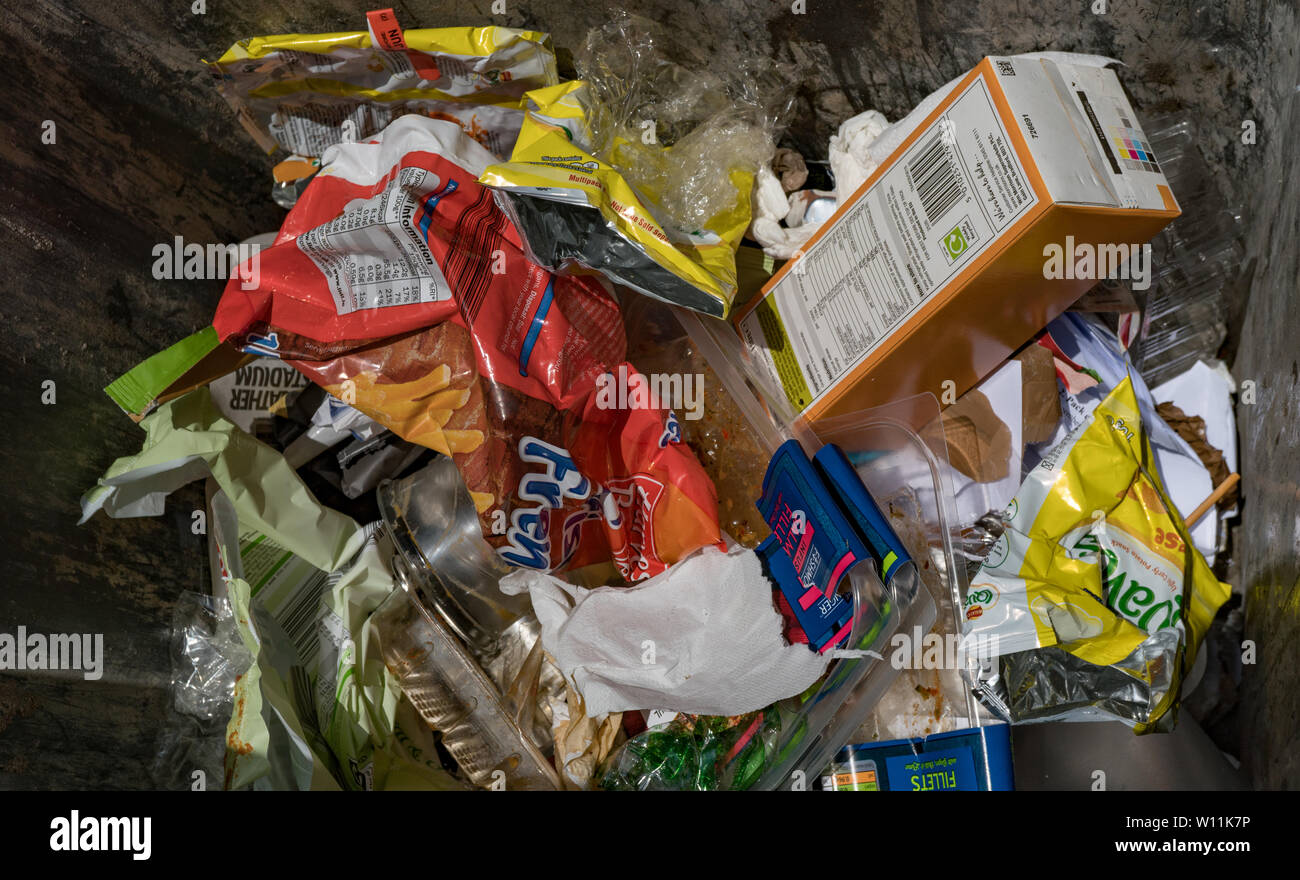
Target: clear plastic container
(909, 480)
(442, 555)
(453, 695)
(1197, 260)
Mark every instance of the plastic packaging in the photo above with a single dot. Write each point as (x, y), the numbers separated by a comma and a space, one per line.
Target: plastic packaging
(306, 92)
(696, 753)
(1196, 261)
(1094, 597)
(554, 487)
(455, 697)
(302, 580)
(208, 657)
(888, 456)
(399, 287)
(643, 170)
(442, 554)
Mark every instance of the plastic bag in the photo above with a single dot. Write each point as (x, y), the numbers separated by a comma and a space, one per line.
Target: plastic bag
(696, 753)
(307, 92)
(208, 655)
(317, 708)
(1094, 596)
(643, 170)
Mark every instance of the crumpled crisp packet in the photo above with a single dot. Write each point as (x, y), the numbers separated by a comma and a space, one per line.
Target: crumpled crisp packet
(306, 92)
(1094, 596)
(318, 709)
(642, 170)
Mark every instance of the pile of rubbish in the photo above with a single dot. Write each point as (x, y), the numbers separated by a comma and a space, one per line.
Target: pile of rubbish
(562, 438)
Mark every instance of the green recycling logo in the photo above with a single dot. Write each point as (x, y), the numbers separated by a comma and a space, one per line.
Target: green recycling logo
(955, 242)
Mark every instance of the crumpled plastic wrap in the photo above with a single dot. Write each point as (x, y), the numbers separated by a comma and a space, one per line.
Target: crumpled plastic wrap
(705, 122)
(208, 656)
(642, 170)
(696, 753)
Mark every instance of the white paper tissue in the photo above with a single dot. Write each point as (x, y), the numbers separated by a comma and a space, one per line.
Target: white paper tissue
(703, 637)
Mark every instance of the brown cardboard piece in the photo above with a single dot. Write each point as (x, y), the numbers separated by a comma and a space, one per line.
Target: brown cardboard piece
(1040, 400)
(979, 443)
(1192, 429)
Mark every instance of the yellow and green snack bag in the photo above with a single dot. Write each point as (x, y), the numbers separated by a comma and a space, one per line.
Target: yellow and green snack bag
(319, 707)
(1094, 597)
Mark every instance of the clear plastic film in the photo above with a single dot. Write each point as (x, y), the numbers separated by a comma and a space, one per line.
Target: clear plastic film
(643, 169)
(208, 655)
(677, 134)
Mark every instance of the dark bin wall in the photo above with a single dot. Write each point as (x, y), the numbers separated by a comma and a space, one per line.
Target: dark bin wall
(146, 150)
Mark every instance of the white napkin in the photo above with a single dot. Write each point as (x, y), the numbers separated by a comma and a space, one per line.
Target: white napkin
(703, 637)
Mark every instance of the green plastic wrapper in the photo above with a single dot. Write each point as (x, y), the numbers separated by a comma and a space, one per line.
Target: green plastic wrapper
(696, 753)
(317, 709)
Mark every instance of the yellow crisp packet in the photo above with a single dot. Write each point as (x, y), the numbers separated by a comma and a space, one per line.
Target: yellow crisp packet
(572, 207)
(303, 93)
(1097, 561)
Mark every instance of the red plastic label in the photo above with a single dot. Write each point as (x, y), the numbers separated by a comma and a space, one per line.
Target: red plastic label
(385, 32)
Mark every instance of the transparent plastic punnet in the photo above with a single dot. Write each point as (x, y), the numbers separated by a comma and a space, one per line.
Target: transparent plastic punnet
(909, 480)
(448, 688)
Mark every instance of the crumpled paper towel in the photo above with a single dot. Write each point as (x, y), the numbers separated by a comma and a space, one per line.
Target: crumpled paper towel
(703, 638)
(851, 161)
(850, 165)
(770, 206)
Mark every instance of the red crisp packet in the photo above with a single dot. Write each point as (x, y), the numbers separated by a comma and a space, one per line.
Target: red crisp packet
(398, 285)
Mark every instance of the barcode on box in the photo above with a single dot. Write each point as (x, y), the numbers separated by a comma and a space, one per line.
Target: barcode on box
(1005, 69)
(935, 178)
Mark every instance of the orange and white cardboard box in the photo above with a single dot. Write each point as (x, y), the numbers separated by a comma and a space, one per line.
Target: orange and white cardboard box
(1029, 182)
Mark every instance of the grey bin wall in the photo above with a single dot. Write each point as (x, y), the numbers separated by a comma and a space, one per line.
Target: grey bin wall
(146, 150)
